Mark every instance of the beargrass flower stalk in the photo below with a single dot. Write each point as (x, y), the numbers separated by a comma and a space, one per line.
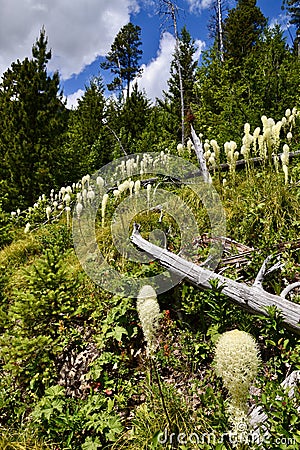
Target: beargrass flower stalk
(149, 313)
(180, 149)
(190, 147)
(116, 193)
(100, 183)
(276, 163)
(68, 211)
(148, 195)
(90, 195)
(285, 162)
(103, 207)
(216, 150)
(67, 199)
(237, 361)
(79, 208)
(48, 212)
(247, 142)
(137, 187)
(27, 227)
(131, 186)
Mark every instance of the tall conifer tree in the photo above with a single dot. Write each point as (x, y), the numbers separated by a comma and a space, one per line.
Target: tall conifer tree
(32, 121)
(123, 58)
(242, 28)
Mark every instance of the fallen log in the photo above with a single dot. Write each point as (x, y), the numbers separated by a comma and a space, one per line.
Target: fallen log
(253, 299)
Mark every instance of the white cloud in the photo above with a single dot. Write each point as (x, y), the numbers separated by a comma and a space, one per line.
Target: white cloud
(78, 30)
(199, 5)
(156, 74)
(72, 99)
(200, 46)
(282, 20)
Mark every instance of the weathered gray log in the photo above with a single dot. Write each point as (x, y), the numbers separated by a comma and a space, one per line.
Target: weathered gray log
(253, 299)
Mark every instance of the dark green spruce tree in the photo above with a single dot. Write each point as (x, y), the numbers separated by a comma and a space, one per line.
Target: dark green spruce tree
(123, 58)
(32, 121)
(133, 119)
(87, 144)
(242, 28)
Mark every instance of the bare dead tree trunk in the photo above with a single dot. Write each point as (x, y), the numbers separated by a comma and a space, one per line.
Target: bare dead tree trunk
(253, 299)
(220, 29)
(172, 11)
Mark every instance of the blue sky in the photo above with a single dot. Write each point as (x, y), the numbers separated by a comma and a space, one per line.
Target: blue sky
(81, 32)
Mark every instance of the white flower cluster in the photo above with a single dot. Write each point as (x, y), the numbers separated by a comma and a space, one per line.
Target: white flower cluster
(236, 362)
(149, 313)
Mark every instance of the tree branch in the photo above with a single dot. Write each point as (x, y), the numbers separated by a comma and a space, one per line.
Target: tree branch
(251, 298)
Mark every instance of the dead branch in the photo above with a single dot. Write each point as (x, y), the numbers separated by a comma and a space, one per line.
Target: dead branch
(258, 417)
(200, 156)
(251, 298)
(289, 288)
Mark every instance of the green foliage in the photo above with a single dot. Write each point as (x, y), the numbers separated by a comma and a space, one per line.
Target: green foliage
(51, 313)
(87, 141)
(184, 56)
(39, 319)
(123, 58)
(32, 120)
(267, 81)
(90, 424)
(242, 28)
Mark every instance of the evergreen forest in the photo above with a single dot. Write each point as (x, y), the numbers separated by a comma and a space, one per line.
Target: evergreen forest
(87, 363)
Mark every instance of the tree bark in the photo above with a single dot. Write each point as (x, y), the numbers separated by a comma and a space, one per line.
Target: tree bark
(253, 299)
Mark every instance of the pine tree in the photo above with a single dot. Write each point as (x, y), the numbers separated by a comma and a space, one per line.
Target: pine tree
(185, 57)
(123, 58)
(32, 121)
(133, 118)
(242, 28)
(87, 145)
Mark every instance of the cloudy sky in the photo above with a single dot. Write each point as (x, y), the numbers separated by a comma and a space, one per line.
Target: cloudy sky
(80, 33)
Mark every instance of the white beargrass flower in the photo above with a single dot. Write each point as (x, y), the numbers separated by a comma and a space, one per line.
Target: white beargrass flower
(67, 199)
(100, 182)
(285, 155)
(137, 187)
(149, 313)
(131, 186)
(289, 136)
(90, 194)
(27, 227)
(236, 362)
(48, 212)
(79, 208)
(180, 149)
